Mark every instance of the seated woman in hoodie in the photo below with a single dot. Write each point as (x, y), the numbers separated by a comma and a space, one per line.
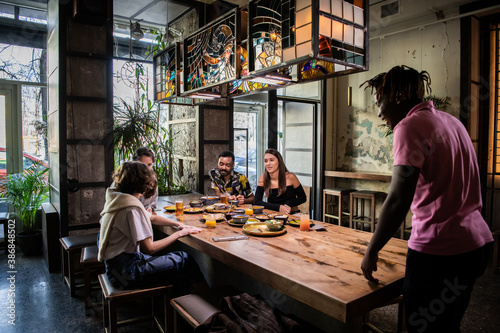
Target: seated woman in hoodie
(126, 242)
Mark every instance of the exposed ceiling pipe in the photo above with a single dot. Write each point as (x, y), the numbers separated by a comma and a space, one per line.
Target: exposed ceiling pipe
(423, 26)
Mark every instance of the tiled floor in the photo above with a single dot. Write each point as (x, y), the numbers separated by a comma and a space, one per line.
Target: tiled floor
(43, 304)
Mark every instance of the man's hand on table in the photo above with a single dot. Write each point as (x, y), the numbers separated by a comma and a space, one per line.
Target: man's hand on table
(369, 265)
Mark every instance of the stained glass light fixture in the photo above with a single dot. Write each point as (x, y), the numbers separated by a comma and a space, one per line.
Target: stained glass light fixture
(210, 57)
(168, 75)
(321, 38)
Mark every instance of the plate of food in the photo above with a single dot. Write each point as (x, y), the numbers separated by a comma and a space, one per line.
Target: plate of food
(193, 210)
(261, 229)
(296, 223)
(169, 208)
(235, 224)
(217, 217)
(262, 217)
(216, 209)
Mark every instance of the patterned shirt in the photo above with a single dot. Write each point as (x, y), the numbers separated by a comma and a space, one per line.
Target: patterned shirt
(237, 184)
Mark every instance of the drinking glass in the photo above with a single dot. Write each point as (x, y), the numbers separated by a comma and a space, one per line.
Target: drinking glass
(179, 208)
(248, 210)
(304, 222)
(210, 222)
(223, 198)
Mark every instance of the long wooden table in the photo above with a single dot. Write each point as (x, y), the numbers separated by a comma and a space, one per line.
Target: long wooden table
(318, 268)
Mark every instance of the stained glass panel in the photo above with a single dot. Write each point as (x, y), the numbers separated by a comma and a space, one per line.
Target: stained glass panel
(165, 73)
(266, 33)
(210, 54)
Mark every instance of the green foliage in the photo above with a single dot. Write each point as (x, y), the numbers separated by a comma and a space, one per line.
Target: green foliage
(26, 191)
(138, 124)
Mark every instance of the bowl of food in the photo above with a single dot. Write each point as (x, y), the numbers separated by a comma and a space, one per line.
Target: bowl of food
(229, 215)
(234, 202)
(219, 206)
(274, 225)
(261, 217)
(240, 218)
(282, 218)
(258, 209)
(209, 200)
(196, 203)
(239, 211)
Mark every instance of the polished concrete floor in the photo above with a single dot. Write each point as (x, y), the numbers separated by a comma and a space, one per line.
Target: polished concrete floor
(43, 304)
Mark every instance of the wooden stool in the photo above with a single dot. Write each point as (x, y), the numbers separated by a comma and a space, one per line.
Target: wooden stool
(496, 250)
(194, 309)
(360, 197)
(340, 194)
(70, 252)
(112, 297)
(90, 265)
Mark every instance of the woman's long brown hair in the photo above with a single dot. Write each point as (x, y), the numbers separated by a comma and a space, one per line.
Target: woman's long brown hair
(282, 170)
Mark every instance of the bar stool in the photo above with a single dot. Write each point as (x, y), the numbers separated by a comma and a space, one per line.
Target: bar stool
(70, 253)
(194, 309)
(340, 194)
(112, 297)
(358, 203)
(90, 265)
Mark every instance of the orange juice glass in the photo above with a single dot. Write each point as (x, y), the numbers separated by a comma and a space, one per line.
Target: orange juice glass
(248, 210)
(179, 208)
(304, 222)
(210, 222)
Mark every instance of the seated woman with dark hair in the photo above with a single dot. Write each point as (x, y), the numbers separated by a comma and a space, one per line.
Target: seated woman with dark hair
(126, 232)
(281, 187)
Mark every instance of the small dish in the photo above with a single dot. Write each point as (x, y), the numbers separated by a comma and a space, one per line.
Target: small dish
(296, 223)
(240, 219)
(274, 225)
(217, 217)
(196, 203)
(234, 202)
(193, 210)
(169, 208)
(210, 200)
(283, 218)
(239, 225)
(220, 206)
(258, 209)
(236, 211)
(261, 217)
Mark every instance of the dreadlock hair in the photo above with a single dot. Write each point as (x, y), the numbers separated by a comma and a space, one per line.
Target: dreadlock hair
(135, 177)
(401, 83)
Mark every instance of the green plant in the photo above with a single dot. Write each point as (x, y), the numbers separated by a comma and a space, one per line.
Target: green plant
(439, 103)
(26, 191)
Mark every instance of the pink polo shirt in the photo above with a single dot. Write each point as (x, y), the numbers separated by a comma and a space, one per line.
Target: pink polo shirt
(447, 203)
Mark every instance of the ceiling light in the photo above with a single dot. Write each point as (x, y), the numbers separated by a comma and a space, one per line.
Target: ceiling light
(136, 31)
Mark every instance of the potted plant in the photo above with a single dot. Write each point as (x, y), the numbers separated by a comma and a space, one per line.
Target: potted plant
(26, 191)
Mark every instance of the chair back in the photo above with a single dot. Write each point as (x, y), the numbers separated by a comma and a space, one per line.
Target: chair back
(305, 207)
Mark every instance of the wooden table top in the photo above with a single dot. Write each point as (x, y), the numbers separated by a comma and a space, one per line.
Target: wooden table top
(318, 268)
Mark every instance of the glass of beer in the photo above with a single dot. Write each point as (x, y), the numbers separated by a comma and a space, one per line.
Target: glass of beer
(223, 198)
(179, 208)
(304, 222)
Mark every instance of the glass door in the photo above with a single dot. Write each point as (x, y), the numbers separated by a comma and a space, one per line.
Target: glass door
(246, 144)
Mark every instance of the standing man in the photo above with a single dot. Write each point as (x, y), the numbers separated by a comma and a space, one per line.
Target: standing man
(229, 182)
(436, 173)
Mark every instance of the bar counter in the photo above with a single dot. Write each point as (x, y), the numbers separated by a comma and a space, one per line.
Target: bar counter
(318, 268)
